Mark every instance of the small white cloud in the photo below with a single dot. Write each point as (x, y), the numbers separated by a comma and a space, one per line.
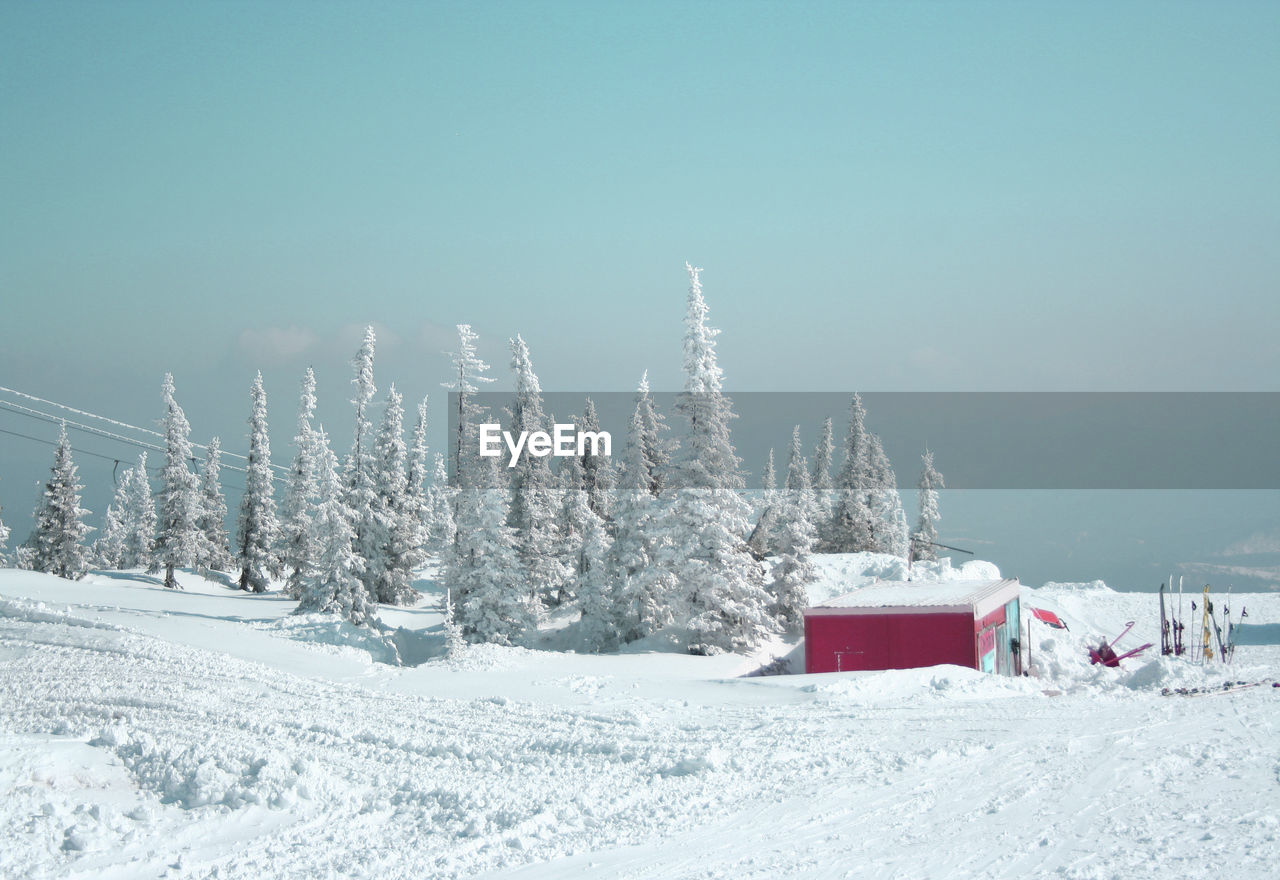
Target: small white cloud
(351, 336)
(277, 344)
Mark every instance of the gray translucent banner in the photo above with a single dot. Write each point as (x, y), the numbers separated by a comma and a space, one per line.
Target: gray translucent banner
(991, 440)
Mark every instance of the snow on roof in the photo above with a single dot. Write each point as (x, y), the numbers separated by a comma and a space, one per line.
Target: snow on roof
(980, 597)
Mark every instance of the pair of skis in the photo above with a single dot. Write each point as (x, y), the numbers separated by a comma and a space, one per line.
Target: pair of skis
(1171, 626)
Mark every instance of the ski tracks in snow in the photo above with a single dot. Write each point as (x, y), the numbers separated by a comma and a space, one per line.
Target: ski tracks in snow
(182, 762)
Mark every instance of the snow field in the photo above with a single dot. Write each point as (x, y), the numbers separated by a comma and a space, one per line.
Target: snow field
(203, 733)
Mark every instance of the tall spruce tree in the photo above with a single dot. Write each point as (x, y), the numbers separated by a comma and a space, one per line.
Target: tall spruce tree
(215, 548)
(439, 509)
(642, 592)
(258, 528)
(851, 528)
(360, 481)
(793, 570)
(129, 534)
(491, 601)
(655, 449)
(762, 541)
(140, 519)
(888, 522)
(589, 578)
(332, 583)
(469, 469)
(179, 538)
(924, 540)
(598, 474)
(109, 547)
(533, 508)
(395, 549)
(417, 482)
(4, 538)
(58, 541)
(298, 507)
(823, 485)
(706, 521)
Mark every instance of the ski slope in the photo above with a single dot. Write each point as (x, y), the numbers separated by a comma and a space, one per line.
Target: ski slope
(206, 733)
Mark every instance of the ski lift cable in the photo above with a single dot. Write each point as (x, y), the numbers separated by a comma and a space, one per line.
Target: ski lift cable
(154, 469)
(56, 419)
(18, 409)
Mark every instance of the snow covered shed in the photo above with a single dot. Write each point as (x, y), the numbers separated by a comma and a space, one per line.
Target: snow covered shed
(907, 625)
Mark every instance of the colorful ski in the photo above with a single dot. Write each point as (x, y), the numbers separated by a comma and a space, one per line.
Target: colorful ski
(1166, 644)
(1207, 634)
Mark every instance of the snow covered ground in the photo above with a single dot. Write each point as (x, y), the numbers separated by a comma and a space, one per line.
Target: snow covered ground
(206, 733)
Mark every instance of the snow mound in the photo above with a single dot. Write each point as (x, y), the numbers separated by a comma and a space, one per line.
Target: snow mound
(204, 774)
(334, 635)
(894, 687)
(1090, 587)
(842, 573)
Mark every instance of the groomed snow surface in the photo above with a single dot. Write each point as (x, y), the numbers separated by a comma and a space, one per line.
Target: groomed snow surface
(207, 733)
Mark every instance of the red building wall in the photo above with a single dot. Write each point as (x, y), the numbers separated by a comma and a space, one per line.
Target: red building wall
(847, 642)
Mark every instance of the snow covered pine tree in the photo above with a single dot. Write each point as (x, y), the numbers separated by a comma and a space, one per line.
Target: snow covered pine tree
(58, 540)
(707, 521)
(215, 549)
(257, 529)
(332, 584)
(179, 536)
(924, 539)
(297, 510)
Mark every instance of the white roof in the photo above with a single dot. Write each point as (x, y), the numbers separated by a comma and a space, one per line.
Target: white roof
(978, 597)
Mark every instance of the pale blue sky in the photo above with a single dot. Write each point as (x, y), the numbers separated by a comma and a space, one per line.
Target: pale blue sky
(885, 196)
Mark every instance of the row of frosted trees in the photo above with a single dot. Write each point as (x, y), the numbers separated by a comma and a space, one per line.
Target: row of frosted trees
(663, 540)
(369, 522)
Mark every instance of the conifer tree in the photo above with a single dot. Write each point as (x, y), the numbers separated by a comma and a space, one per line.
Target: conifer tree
(297, 509)
(439, 507)
(888, 522)
(654, 447)
(823, 486)
(128, 534)
(215, 548)
(642, 592)
(589, 578)
(359, 477)
(533, 506)
(258, 529)
(762, 540)
(851, 528)
(793, 570)
(469, 469)
(598, 473)
(332, 583)
(491, 602)
(140, 518)
(58, 540)
(109, 547)
(417, 483)
(924, 539)
(4, 538)
(179, 537)
(706, 520)
(394, 549)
